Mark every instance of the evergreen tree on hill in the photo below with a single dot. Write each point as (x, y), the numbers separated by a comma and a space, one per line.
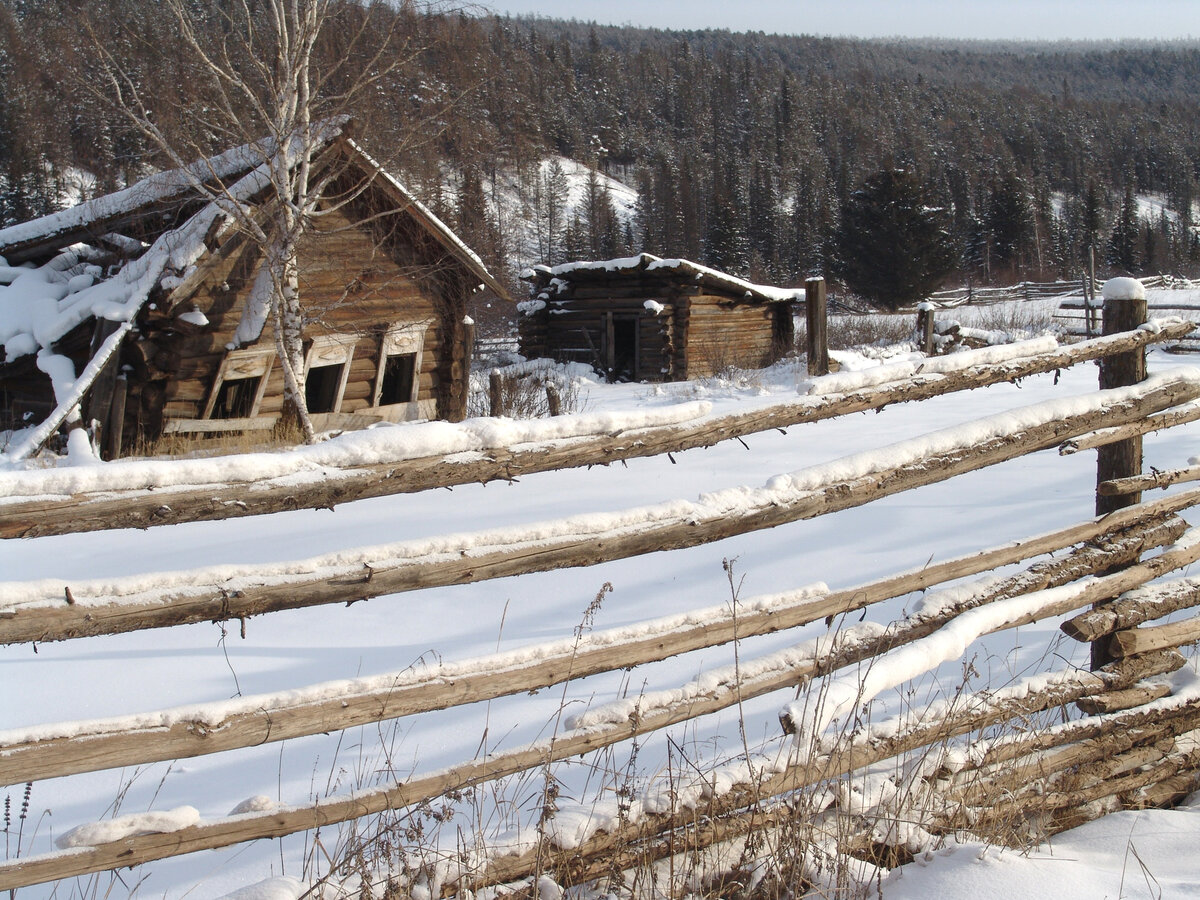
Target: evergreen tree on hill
(1122, 245)
(892, 247)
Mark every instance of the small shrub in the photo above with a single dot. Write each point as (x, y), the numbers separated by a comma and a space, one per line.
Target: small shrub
(523, 393)
(872, 329)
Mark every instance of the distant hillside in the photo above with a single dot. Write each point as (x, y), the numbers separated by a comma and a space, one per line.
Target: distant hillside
(743, 149)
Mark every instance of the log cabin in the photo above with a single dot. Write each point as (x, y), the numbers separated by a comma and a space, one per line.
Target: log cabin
(643, 318)
(135, 314)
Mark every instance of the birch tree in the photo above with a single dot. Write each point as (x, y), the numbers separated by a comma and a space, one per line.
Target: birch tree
(258, 61)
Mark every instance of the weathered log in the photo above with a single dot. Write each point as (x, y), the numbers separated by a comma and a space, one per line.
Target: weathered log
(841, 757)
(1102, 786)
(1150, 481)
(1000, 751)
(1188, 412)
(1117, 701)
(1093, 591)
(846, 757)
(1165, 793)
(1158, 637)
(394, 695)
(207, 595)
(980, 786)
(816, 311)
(34, 516)
(1126, 612)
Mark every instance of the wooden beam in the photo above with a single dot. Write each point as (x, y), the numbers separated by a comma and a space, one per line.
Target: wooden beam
(204, 595)
(839, 757)
(1159, 637)
(1139, 695)
(1188, 412)
(35, 516)
(1149, 481)
(1093, 591)
(816, 313)
(1127, 612)
(393, 695)
(846, 756)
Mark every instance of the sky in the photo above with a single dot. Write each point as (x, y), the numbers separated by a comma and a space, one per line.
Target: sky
(983, 19)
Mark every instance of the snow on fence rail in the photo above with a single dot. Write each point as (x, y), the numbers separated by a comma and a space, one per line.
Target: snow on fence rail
(401, 460)
(1129, 745)
(49, 610)
(70, 748)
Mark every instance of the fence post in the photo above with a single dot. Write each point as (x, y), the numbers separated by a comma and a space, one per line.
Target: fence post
(816, 318)
(468, 343)
(496, 393)
(1124, 310)
(925, 327)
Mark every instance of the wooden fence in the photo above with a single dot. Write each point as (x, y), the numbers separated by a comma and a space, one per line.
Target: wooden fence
(1082, 317)
(1125, 743)
(989, 296)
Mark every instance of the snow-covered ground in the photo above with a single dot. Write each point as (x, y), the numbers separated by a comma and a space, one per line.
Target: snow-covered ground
(141, 672)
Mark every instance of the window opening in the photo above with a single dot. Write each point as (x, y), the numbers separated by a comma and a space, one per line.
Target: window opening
(321, 387)
(327, 366)
(399, 376)
(240, 384)
(235, 398)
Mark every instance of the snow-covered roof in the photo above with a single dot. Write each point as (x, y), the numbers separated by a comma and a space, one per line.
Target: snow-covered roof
(543, 276)
(99, 216)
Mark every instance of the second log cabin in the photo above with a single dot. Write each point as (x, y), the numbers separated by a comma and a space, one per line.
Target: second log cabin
(643, 318)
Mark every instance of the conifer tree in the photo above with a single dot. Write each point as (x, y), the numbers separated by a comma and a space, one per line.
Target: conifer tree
(1009, 221)
(1123, 243)
(892, 247)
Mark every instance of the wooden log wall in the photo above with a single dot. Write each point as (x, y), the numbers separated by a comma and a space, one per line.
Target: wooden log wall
(356, 280)
(722, 335)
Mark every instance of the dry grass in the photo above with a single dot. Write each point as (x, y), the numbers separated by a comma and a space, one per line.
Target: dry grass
(873, 330)
(525, 395)
(184, 446)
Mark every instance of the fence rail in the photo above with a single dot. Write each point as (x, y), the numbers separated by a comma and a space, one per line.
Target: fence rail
(1127, 738)
(35, 515)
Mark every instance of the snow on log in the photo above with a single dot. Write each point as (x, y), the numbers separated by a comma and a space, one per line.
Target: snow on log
(1187, 412)
(144, 494)
(770, 775)
(35, 611)
(69, 748)
(925, 651)
(1134, 608)
(1127, 699)
(787, 773)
